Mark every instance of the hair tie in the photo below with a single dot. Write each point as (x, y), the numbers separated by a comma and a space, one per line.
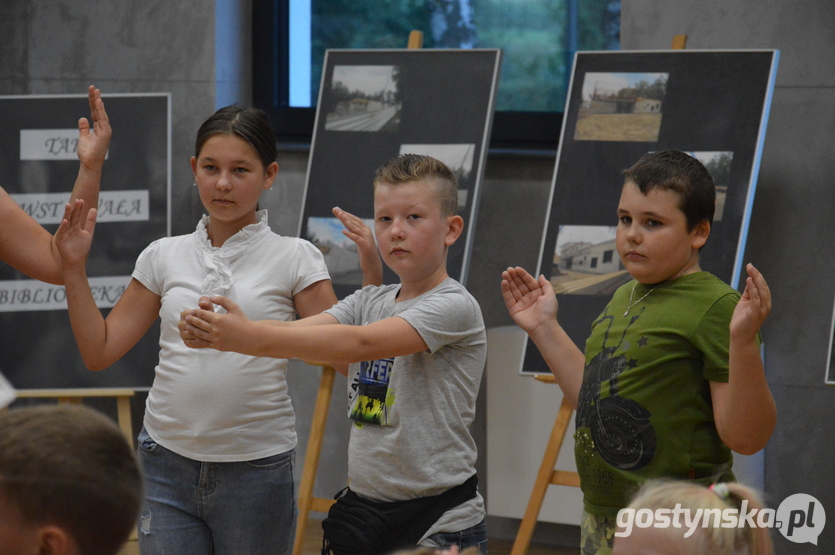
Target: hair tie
(721, 490)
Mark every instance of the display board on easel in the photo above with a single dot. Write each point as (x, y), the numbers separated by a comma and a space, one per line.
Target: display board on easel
(39, 165)
(713, 105)
(376, 104)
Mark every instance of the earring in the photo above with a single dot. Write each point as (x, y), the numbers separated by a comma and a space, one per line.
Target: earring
(195, 183)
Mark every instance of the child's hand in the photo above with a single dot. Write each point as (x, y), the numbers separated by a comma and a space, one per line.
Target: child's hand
(357, 231)
(75, 234)
(753, 308)
(93, 141)
(205, 304)
(529, 301)
(202, 329)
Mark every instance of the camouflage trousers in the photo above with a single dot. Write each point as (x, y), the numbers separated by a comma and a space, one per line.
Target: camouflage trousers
(597, 534)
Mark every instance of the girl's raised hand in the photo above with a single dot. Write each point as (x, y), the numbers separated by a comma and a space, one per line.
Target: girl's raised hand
(93, 140)
(75, 234)
(357, 231)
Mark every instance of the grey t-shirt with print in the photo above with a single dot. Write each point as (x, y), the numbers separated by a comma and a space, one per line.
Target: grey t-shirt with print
(412, 413)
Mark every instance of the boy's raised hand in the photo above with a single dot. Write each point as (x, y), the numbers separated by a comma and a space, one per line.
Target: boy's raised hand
(530, 302)
(201, 328)
(753, 307)
(93, 139)
(357, 231)
(75, 234)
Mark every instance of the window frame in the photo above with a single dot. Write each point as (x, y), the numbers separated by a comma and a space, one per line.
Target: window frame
(511, 130)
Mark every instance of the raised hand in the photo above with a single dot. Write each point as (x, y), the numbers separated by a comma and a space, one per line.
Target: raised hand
(753, 307)
(529, 301)
(75, 235)
(369, 257)
(94, 139)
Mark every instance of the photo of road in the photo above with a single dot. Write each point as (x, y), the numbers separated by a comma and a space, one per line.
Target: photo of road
(363, 98)
(340, 252)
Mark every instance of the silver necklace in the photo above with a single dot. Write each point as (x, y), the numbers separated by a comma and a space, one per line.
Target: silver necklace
(631, 304)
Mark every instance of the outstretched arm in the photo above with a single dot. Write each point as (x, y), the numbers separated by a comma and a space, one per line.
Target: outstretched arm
(744, 408)
(533, 306)
(370, 261)
(319, 337)
(24, 244)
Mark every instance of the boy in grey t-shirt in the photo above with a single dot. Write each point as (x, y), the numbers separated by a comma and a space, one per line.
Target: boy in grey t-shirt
(417, 351)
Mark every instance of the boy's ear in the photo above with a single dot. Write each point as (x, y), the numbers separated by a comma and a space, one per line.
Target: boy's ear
(700, 234)
(455, 227)
(54, 540)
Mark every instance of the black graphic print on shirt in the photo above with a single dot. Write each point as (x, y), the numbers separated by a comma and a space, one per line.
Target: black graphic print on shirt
(371, 403)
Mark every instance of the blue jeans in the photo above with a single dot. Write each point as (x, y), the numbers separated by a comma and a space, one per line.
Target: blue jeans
(471, 537)
(202, 508)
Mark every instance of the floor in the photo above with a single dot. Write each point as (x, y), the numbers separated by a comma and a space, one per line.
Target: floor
(313, 545)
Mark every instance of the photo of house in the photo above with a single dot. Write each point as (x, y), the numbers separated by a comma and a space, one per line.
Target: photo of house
(621, 107)
(586, 261)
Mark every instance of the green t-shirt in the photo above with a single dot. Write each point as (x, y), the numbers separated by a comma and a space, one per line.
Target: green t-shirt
(644, 409)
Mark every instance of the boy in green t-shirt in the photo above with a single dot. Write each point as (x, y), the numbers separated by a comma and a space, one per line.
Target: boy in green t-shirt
(672, 379)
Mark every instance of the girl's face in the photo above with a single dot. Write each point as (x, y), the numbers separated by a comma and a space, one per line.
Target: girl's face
(230, 177)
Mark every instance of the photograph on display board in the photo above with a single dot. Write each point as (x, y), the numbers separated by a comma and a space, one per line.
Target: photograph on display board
(830, 358)
(712, 105)
(621, 107)
(459, 158)
(586, 261)
(376, 104)
(340, 252)
(718, 164)
(364, 98)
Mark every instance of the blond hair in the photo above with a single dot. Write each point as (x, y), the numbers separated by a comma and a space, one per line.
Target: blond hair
(716, 540)
(408, 168)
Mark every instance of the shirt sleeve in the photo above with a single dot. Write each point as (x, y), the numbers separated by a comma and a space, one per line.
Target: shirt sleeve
(310, 267)
(712, 337)
(444, 318)
(146, 269)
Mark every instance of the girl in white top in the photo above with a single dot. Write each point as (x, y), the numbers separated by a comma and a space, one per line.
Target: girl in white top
(217, 446)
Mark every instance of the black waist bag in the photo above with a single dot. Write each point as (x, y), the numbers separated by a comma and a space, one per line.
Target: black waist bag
(358, 526)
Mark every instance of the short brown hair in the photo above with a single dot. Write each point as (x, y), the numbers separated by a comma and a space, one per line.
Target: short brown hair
(407, 168)
(70, 466)
(673, 170)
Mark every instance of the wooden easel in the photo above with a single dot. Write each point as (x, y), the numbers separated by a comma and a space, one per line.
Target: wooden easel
(547, 474)
(307, 502)
(74, 396)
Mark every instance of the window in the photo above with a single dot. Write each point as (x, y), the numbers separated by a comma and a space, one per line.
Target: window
(538, 39)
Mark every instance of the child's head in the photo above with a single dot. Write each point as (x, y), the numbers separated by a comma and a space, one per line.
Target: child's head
(706, 504)
(234, 162)
(673, 170)
(249, 124)
(409, 168)
(664, 216)
(68, 478)
(415, 199)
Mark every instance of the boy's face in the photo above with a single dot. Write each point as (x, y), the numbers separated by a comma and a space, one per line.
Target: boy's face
(652, 237)
(412, 234)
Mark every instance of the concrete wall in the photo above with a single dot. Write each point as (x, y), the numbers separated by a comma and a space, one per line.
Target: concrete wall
(790, 234)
